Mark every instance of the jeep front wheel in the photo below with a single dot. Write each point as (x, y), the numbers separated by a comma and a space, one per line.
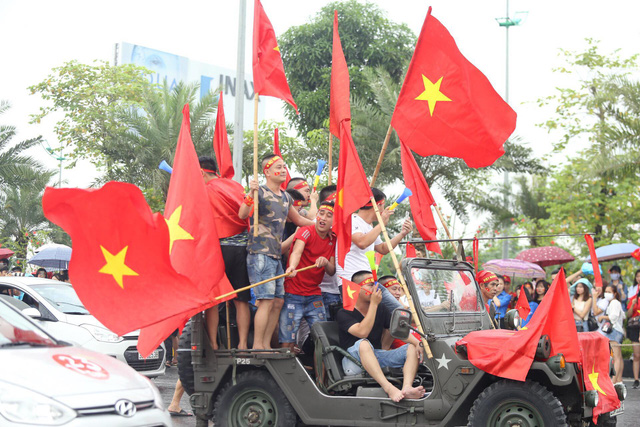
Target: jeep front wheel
(254, 401)
(510, 403)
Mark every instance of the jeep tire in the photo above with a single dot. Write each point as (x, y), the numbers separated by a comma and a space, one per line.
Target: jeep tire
(185, 369)
(255, 400)
(506, 403)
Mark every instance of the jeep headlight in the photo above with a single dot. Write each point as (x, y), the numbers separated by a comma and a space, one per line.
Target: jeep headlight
(591, 398)
(621, 390)
(102, 334)
(20, 405)
(512, 320)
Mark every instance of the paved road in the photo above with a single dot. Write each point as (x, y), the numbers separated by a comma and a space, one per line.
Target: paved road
(167, 382)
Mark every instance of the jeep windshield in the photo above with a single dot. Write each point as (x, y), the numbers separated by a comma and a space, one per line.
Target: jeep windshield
(444, 290)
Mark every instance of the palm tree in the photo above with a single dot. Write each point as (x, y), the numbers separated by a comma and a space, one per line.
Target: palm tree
(153, 134)
(15, 167)
(22, 214)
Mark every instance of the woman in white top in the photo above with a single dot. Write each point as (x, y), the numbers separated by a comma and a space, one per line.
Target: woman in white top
(615, 315)
(581, 305)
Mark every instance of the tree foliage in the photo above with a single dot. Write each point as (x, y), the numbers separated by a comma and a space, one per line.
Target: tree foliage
(368, 38)
(91, 97)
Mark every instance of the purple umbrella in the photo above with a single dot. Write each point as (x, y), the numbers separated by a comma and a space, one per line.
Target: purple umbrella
(514, 268)
(545, 256)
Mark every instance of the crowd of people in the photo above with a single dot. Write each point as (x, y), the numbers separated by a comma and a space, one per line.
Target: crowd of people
(16, 270)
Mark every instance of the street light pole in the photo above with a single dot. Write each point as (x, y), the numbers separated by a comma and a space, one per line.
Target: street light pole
(507, 22)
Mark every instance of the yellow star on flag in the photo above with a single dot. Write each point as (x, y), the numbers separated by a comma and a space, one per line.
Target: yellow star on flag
(116, 266)
(277, 48)
(175, 231)
(341, 198)
(432, 93)
(593, 377)
(350, 291)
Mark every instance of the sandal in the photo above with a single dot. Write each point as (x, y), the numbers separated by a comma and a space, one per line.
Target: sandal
(182, 413)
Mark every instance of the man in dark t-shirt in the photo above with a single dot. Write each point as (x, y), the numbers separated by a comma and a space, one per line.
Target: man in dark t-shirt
(361, 335)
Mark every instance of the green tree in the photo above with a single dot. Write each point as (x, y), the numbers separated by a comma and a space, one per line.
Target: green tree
(22, 216)
(597, 189)
(91, 97)
(368, 38)
(15, 166)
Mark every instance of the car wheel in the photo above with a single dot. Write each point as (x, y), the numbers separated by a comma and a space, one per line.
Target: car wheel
(185, 368)
(255, 400)
(507, 403)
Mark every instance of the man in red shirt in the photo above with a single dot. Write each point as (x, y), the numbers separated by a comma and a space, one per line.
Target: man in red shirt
(225, 197)
(312, 245)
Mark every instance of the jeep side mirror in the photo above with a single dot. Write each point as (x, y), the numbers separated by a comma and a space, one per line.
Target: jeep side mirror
(512, 320)
(400, 323)
(32, 312)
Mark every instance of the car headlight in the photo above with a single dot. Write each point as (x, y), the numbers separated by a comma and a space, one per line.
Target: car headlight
(21, 405)
(157, 397)
(102, 334)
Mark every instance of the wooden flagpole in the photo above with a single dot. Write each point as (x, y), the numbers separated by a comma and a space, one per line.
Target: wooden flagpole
(414, 313)
(381, 156)
(446, 228)
(256, 194)
(330, 156)
(265, 281)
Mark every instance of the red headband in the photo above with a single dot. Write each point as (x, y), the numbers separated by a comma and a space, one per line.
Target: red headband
(391, 282)
(327, 207)
(369, 205)
(485, 277)
(332, 197)
(368, 280)
(299, 203)
(271, 162)
(210, 171)
(301, 185)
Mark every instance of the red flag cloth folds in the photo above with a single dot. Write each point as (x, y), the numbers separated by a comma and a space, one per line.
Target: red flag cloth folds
(276, 151)
(595, 369)
(411, 251)
(447, 106)
(352, 188)
(594, 261)
(523, 304)
(221, 144)
(350, 293)
(194, 237)
(120, 266)
(487, 350)
(421, 200)
(268, 71)
(339, 108)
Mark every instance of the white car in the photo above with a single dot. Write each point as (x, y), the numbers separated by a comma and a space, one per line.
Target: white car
(45, 382)
(61, 314)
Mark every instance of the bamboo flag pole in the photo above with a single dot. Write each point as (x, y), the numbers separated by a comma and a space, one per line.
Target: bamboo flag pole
(226, 309)
(256, 194)
(414, 313)
(446, 228)
(330, 156)
(280, 276)
(381, 156)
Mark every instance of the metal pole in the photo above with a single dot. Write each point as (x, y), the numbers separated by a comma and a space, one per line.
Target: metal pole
(505, 243)
(239, 114)
(60, 174)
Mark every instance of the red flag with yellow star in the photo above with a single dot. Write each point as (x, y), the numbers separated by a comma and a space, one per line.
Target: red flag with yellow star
(447, 106)
(353, 191)
(553, 317)
(194, 244)
(594, 348)
(339, 108)
(120, 265)
(268, 71)
(421, 200)
(221, 144)
(350, 293)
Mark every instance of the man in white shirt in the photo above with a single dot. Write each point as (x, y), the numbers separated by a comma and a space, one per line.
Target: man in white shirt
(365, 237)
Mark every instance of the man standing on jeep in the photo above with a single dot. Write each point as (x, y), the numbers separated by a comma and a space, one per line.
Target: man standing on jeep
(264, 250)
(313, 244)
(361, 335)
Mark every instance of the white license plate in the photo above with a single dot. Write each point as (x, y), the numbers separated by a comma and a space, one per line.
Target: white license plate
(618, 411)
(152, 356)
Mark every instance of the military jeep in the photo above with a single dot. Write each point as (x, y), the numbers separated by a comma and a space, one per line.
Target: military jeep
(259, 388)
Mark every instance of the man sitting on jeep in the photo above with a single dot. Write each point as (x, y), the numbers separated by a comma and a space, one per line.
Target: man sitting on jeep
(488, 282)
(361, 335)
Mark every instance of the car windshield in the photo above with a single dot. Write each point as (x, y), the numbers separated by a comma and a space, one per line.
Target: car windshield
(16, 330)
(61, 296)
(445, 290)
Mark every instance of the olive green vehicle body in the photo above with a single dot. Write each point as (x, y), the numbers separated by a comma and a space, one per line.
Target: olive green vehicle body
(454, 386)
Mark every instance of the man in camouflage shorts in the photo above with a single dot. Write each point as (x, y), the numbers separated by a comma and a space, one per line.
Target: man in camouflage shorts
(264, 250)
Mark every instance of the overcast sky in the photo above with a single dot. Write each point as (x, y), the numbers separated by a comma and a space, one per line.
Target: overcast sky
(39, 35)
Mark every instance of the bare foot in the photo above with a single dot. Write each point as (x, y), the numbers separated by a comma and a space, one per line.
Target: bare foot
(413, 392)
(214, 345)
(243, 346)
(395, 394)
